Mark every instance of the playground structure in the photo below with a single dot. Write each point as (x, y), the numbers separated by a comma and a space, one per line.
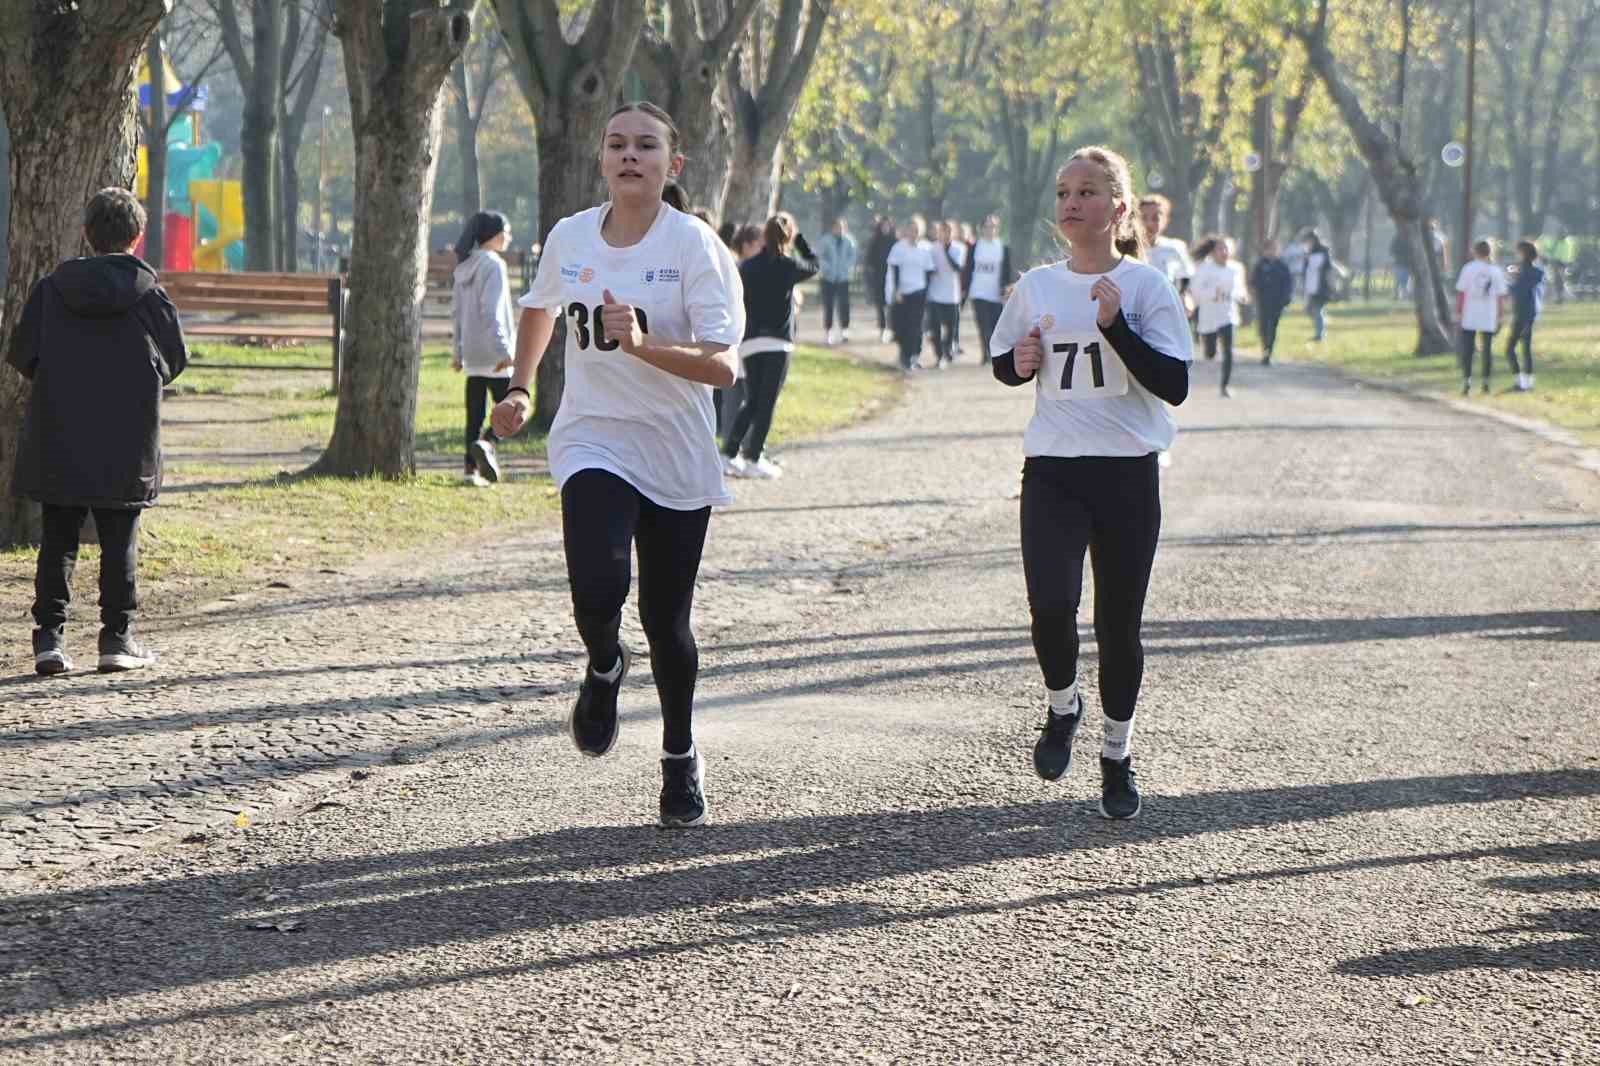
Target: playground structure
(204, 218)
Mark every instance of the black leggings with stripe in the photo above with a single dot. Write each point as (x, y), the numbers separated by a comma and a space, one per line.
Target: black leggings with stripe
(1111, 507)
(603, 520)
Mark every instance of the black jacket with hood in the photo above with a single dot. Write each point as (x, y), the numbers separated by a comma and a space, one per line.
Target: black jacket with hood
(99, 339)
(769, 281)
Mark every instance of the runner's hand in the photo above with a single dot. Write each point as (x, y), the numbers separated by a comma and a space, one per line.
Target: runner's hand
(511, 414)
(621, 324)
(504, 364)
(1028, 353)
(1110, 298)
(455, 362)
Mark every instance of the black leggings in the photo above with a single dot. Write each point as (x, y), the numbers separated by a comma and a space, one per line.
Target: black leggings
(602, 518)
(479, 389)
(1225, 335)
(988, 314)
(942, 321)
(118, 532)
(1112, 507)
(835, 297)
(1521, 330)
(764, 375)
(1268, 325)
(907, 317)
(1486, 341)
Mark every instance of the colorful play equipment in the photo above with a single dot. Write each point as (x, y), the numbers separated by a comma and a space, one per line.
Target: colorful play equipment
(205, 214)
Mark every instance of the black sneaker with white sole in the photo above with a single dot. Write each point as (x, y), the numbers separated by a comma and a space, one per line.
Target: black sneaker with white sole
(683, 798)
(1119, 792)
(486, 459)
(50, 652)
(120, 652)
(593, 722)
(1052, 752)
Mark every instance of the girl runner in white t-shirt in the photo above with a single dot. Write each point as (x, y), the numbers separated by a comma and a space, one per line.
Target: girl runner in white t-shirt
(654, 312)
(1106, 343)
(1219, 287)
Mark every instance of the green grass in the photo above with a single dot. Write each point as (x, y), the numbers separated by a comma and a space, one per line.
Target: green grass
(1376, 341)
(237, 527)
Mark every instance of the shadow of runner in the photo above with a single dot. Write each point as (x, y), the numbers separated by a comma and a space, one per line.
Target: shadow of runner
(195, 931)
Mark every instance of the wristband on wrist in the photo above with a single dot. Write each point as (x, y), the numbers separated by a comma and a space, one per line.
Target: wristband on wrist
(518, 388)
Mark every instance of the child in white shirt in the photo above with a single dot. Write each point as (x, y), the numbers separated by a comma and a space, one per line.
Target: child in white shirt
(1481, 291)
(1220, 288)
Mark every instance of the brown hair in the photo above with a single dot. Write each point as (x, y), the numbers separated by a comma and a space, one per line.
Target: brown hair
(779, 233)
(113, 220)
(743, 236)
(671, 193)
(1128, 236)
(1484, 247)
(1155, 199)
(1527, 249)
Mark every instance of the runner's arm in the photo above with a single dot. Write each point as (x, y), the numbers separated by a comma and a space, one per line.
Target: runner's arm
(1161, 374)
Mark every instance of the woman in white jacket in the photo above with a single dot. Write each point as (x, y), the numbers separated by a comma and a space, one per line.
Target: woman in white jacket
(485, 334)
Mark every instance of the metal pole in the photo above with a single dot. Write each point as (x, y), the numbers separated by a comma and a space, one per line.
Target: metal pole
(1366, 288)
(322, 162)
(1464, 253)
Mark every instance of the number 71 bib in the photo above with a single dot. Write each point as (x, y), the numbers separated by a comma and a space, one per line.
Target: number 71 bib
(1082, 366)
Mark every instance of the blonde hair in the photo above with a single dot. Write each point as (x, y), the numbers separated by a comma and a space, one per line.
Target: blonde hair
(1128, 235)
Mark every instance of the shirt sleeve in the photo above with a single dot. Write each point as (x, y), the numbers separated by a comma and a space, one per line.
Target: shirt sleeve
(1501, 286)
(1185, 264)
(713, 292)
(494, 291)
(24, 351)
(546, 292)
(1162, 322)
(1461, 279)
(1016, 319)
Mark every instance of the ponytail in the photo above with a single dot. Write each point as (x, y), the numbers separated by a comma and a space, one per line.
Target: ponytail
(672, 195)
(483, 226)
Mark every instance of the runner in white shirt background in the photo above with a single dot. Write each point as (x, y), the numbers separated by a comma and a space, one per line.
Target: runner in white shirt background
(905, 289)
(1170, 256)
(944, 292)
(1106, 344)
(1219, 288)
(654, 311)
(1481, 291)
(988, 280)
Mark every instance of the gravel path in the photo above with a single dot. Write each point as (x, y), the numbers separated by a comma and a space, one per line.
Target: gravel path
(1367, 743)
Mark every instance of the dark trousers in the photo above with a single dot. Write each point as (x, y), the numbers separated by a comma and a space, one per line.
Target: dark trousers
(1224, 337)
(603, 520)
(118, 530)
(1485, 341)
(987, 313)
(764, 375)
(907, 319)
(835, 296)
(727, 403)
(942, 319)
(1268, 325)
(479, 389)
(875, 294)
(1112, 508)
(1521, 331)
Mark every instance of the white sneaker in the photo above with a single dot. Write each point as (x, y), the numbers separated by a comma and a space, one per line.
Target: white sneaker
(1163, 459)
(844, 336)
(735, 467)
(475, 479)
(885, 337)
(764, 468)
(487, 461)
(828, 339)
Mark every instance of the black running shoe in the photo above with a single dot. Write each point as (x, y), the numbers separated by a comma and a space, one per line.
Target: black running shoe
(1119, 793)
(593, 722)
(119, 652)
(485, 459)
(1052, 752)
(683, 801)
(50, 652)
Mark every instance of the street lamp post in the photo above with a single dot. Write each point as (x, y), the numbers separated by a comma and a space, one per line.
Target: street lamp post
(1464, 252)
(322, 164)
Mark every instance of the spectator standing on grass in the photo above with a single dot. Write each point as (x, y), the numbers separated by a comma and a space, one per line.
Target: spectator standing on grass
(1481, 292)
(744, 241)
(485, 335)
(99, 339)
(769, 309)
(1400, 255)
(1317, 283)
(837, 255)
(1527, 303)
(1273, 285)
(875, 268)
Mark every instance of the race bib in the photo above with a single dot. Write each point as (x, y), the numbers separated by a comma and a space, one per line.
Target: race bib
(1082, 366)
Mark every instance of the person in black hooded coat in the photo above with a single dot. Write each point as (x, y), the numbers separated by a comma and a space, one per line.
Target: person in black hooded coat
(99, 339)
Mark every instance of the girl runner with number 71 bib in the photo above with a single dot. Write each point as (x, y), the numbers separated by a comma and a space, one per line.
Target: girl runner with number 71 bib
(654, 312)
(1106, 342)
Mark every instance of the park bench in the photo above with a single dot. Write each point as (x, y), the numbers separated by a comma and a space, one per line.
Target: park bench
(257, 304)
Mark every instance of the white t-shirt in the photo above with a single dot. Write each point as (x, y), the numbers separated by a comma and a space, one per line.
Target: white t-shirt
(988, 257)
(1218, 291)
(1086, 402)
(618, 413)
(945, 287)
(1316, 262)
(915, 262)
(1484, 284)
(1171, 256)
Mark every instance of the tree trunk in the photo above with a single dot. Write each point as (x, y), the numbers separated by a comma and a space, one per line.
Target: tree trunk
(752, 192)
(258, 137)
(396, 79)
(5, 197)
(568, 183)
(65, 88)
(466, 131)
(155, 151)
(289, 196)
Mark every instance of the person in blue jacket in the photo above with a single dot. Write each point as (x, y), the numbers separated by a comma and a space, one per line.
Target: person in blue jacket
(1273, 284)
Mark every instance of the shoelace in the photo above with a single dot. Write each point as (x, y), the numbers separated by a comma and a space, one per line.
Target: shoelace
(679, 782)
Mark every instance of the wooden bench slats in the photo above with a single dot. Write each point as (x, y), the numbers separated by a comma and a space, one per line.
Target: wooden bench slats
(260, 294)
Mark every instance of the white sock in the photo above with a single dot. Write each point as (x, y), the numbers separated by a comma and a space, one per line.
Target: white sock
(611, 675)
(1119, 740)
(691, 753)
(1064, 701)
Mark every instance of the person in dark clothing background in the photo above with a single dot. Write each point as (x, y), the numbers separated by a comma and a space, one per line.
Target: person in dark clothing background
(1273, 285)
(99, 339)
(875, 267)
(769, 279)
(1527, 301)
